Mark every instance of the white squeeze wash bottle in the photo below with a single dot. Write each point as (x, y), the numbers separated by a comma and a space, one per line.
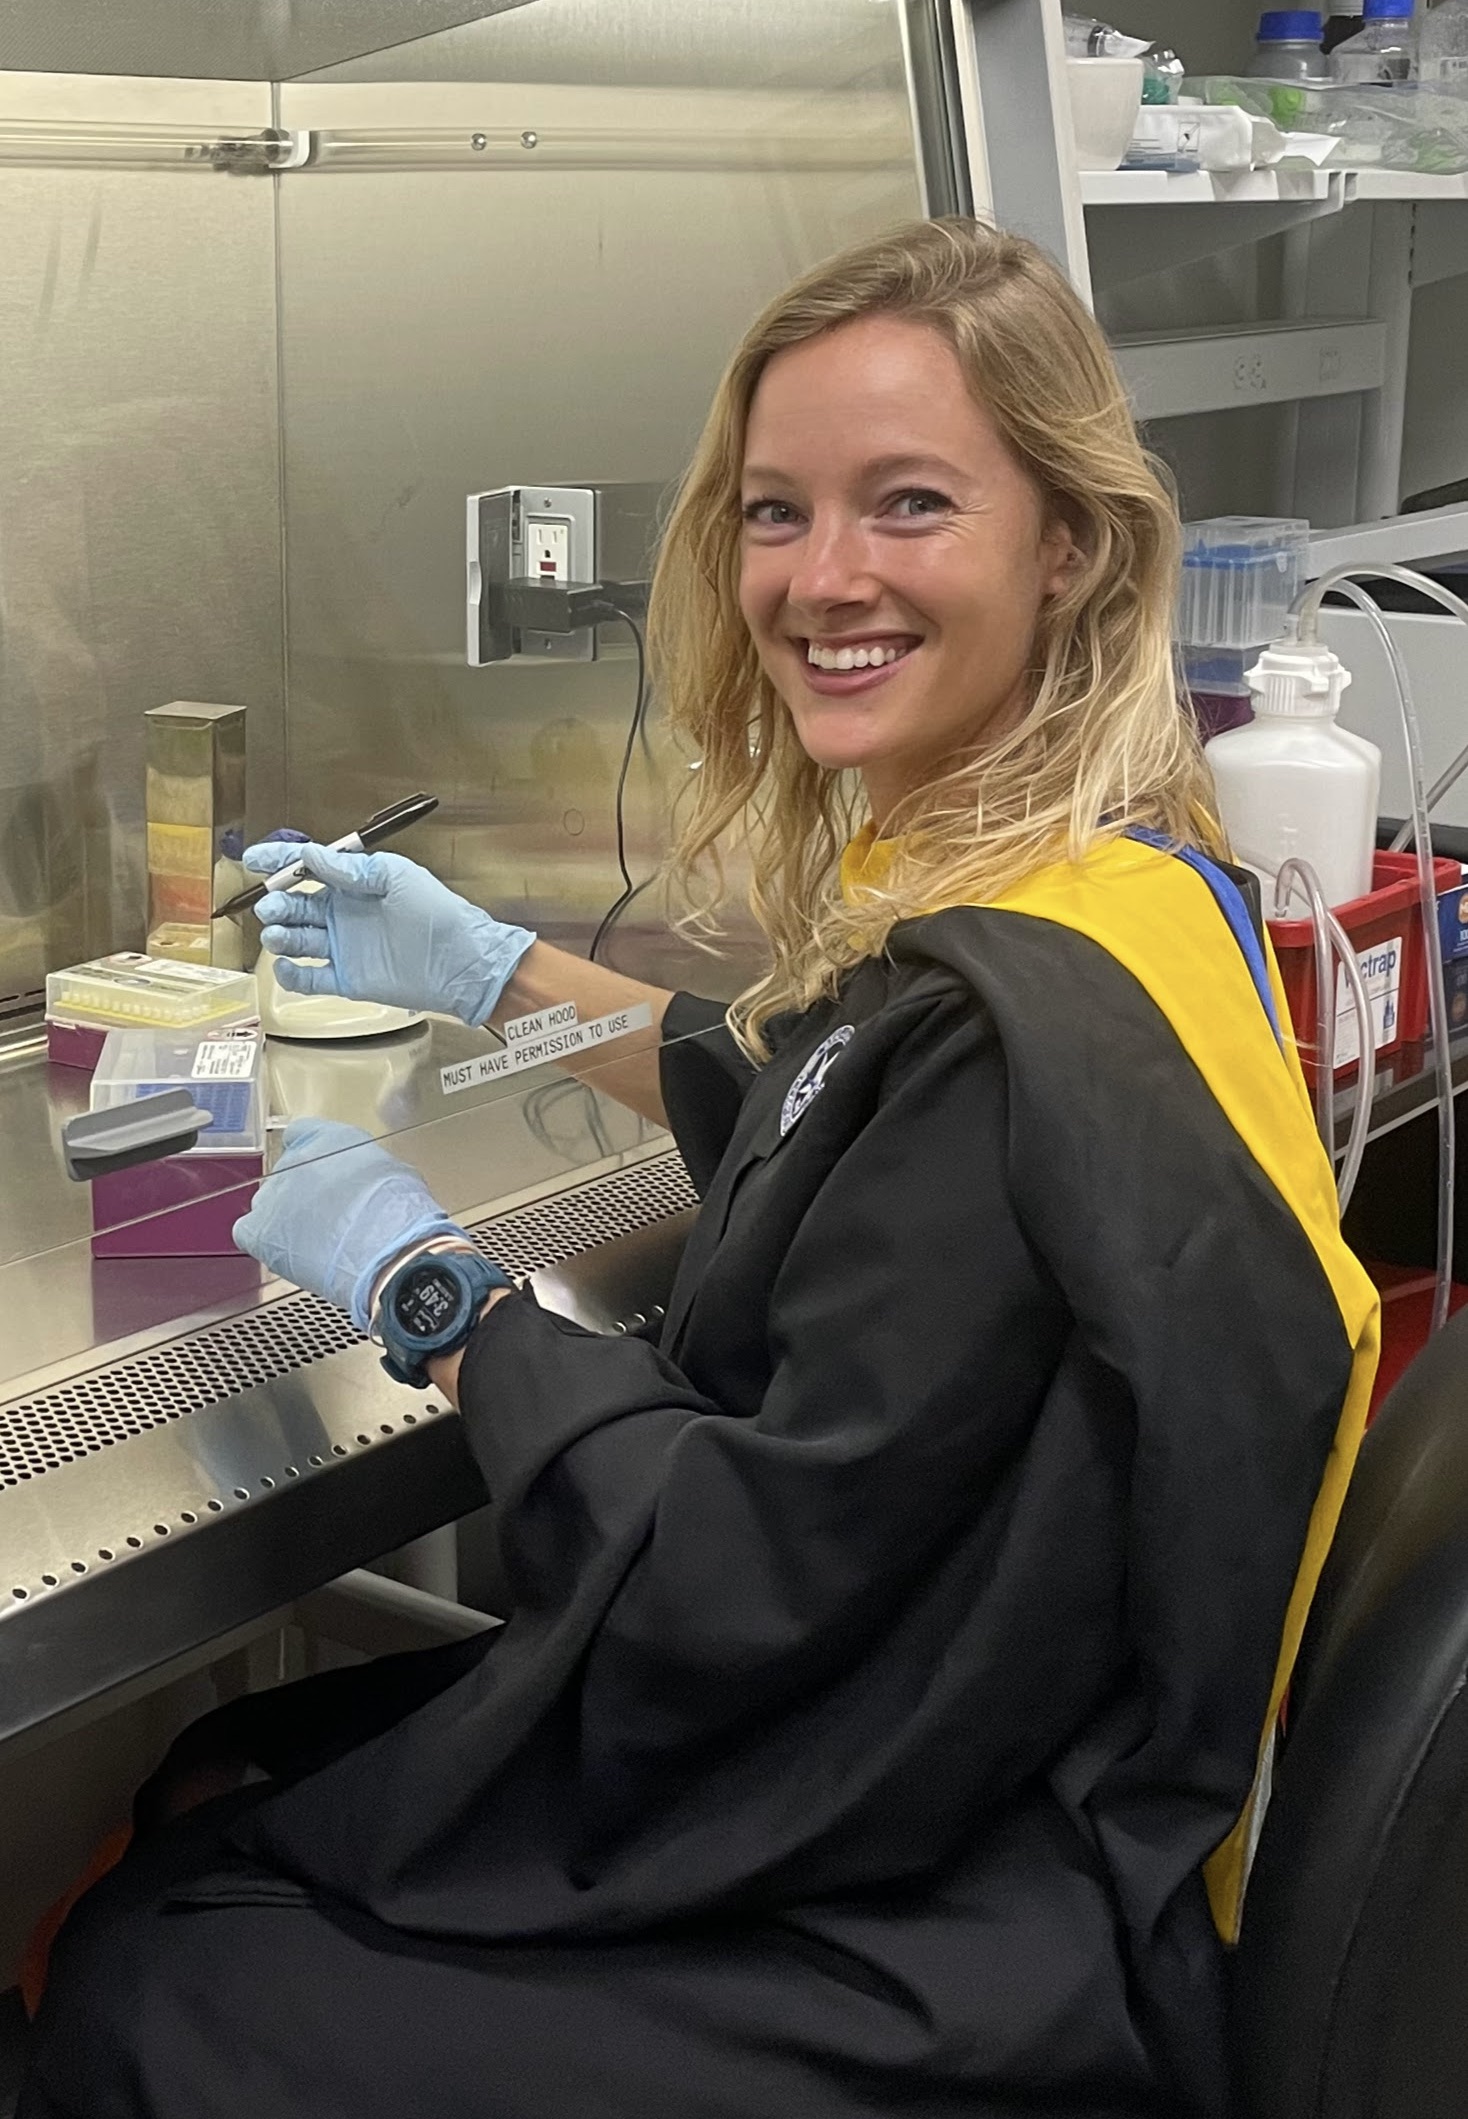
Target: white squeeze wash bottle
(1293, 784)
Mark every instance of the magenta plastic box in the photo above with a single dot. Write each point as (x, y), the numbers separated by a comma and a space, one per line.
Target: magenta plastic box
(184, 1206)
(74, 1044)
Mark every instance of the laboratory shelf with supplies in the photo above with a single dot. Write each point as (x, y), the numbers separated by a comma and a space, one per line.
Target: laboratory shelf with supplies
(1291, 334)
(1291, 337)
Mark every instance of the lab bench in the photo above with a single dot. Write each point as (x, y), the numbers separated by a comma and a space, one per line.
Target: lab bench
(188, 1446)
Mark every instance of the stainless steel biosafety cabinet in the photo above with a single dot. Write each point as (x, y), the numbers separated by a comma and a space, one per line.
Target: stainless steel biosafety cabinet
(279, 285)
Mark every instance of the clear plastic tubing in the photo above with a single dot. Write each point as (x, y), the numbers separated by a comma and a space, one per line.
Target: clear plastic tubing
(1330, 933)
(1301, 873)
(1365, 1074)
(1308, 613)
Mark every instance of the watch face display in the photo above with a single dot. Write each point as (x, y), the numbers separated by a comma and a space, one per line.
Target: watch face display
(429, 1302)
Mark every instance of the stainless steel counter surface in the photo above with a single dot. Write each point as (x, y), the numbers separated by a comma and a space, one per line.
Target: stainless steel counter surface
(186, 1445)
(59, 1305)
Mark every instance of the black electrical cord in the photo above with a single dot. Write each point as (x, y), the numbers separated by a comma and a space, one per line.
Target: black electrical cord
(630, 889)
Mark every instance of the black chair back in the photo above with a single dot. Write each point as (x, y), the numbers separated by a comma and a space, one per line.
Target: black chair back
(1351, 1976)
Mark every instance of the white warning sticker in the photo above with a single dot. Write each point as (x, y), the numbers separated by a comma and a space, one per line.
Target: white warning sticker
(519, 1028)
(1381, 970)
(544, 1045)
(229, 1060)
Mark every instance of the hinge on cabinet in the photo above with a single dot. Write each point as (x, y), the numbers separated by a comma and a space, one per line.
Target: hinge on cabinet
(256, 155)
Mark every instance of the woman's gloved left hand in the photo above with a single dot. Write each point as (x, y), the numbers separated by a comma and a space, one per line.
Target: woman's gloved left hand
(336, 1211)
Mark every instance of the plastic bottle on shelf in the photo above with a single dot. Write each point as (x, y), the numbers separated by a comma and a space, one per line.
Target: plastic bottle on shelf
(1384, 51)
(1344, 19)
(1288, 47)
(1294, 783)
(1442, 44)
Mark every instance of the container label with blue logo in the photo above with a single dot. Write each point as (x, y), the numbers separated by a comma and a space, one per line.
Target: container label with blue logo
(1381, 971)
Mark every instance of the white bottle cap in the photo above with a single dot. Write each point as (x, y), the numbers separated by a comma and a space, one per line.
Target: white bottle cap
(1292, 678)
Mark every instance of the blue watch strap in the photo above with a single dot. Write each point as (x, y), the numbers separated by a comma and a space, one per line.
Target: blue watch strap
(405, 1352)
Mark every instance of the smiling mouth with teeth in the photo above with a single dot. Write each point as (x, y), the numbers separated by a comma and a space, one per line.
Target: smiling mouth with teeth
(853, 658)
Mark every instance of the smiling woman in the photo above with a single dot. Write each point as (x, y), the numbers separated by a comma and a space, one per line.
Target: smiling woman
(922, 447)
(899, 1641)
(896, 554)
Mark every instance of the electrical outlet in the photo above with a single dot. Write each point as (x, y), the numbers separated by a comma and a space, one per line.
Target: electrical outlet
(548, 549)
(540, 533)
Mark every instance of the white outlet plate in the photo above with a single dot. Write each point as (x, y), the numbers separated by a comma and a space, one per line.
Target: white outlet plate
(509, 532)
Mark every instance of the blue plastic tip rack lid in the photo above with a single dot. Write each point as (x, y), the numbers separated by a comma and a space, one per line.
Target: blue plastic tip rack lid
(1240, 575)
(1291, 25)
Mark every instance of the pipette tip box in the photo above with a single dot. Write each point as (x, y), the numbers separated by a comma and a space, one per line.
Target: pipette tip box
(184, 1206)
(130, 991)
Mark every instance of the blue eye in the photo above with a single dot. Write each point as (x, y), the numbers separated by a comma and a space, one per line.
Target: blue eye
(914, 502)
(773, 514)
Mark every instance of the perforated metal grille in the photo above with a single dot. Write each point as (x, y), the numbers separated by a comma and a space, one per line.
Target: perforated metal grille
(37, 1435)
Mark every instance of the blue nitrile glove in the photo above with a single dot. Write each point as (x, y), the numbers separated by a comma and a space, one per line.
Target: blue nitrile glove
(389, 931)
(336, 1210)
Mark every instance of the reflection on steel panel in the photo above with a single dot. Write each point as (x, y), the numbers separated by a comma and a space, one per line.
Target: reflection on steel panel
(149, 1506)
(139, 503)
(439, 333)
(480, 1149)
(100, 1409)
(243, 40)
(820, 45)
(457, 330)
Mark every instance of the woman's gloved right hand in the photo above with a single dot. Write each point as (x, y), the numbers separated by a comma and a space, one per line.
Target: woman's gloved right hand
(387, 931)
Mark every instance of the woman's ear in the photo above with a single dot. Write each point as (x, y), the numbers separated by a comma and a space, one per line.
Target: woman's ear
(1061, 556)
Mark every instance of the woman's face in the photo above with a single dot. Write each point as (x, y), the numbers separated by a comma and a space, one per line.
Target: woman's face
(895, 555)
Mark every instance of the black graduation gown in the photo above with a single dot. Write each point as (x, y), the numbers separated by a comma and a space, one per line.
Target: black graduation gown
(891, 1645)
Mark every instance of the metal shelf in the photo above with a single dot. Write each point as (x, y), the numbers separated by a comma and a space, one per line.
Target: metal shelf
(1228, 187)
(1398, 540)
(1405, 1088)
(1173, 373)
(1190, 217)
(1254, 187)
(1406, 184)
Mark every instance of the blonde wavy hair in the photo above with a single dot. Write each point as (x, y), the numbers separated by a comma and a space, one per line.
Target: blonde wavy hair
(1102, 745)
